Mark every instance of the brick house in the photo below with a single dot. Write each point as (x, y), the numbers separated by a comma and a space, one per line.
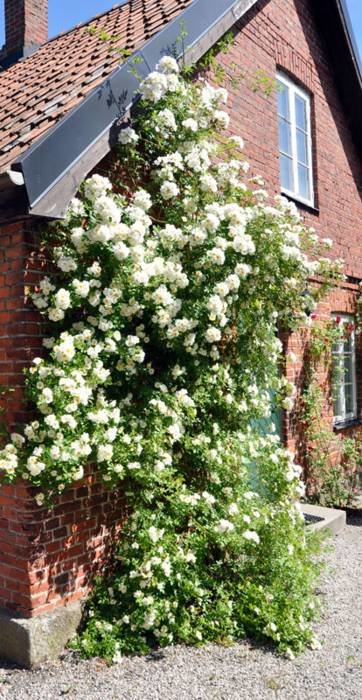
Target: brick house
(62, 103)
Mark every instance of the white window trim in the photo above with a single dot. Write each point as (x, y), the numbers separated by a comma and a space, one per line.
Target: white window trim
(346, 417)
(296, 90)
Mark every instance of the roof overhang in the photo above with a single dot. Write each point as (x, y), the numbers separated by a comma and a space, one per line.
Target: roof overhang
(13, 199)
(54, 166)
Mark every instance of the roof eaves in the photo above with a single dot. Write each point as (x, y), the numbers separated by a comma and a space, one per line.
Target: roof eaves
(13, 199)
(351, 38)
(56, 164)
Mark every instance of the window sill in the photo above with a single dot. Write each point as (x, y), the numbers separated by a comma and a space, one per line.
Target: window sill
(353, 422)
(302, 205)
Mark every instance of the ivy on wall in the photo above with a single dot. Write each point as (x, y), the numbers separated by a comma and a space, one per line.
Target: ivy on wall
(332, 460)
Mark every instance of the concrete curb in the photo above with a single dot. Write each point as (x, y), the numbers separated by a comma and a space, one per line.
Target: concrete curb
(333, 519)
(30, 642)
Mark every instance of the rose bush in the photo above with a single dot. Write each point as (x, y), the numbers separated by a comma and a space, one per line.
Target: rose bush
(163, 359)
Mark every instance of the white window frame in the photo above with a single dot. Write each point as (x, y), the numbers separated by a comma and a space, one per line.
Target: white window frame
(294, 90)
(345, 417)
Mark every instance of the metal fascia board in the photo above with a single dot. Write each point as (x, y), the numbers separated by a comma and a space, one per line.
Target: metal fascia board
(198, 19)
(351, 39)
(47, 161)
(50, 158)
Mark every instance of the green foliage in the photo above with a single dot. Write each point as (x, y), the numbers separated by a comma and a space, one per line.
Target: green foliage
(195, 586)
(262, 82)
(332, 460)
(105, 36)
(4, 391)
(210, 61)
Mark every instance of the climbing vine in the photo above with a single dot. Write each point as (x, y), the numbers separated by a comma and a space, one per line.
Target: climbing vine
(332, 460)
(162, 359)
(257, 80)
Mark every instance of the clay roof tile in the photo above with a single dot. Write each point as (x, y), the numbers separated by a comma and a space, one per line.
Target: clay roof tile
(37, 92)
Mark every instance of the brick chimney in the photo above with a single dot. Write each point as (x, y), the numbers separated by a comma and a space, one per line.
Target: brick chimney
(26, 28)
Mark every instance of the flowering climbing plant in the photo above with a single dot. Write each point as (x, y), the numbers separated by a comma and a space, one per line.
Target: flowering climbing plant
(331, 461)
(160, 368)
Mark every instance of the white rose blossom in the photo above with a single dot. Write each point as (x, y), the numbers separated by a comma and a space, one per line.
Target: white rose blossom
(169, 190)
(213, 335)
(127, 136)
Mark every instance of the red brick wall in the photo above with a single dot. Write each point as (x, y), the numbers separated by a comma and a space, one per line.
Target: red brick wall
(21, 329)
(282, 34)
(47, 558)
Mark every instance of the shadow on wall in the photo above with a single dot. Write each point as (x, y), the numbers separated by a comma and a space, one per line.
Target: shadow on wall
(331, 93)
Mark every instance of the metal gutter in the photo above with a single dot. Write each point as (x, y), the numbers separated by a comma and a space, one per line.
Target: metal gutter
(56, 164)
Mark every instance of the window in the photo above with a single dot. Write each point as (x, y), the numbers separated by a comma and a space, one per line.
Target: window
(295, 140)
(344, 373)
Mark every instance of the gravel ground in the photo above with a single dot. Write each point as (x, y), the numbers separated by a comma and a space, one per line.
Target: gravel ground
(217, 673)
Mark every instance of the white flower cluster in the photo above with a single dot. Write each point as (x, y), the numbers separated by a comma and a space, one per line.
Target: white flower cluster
(161, 81)
(161, 366)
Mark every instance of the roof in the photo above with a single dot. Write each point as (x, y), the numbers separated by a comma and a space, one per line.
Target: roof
(53, 165)
(38, 91)
(61, 107)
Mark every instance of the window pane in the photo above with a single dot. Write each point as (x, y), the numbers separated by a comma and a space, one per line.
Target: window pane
(294, 139)
(338, 365)
(285, 137)
(286, 172)
(303, 178)
(337, 348)
(302, 146)
(348, 368)
(348, 341)
(300, 112)
(338, 386)
(337, 407)
(348, 390)
(283, 101)
(343, 377)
